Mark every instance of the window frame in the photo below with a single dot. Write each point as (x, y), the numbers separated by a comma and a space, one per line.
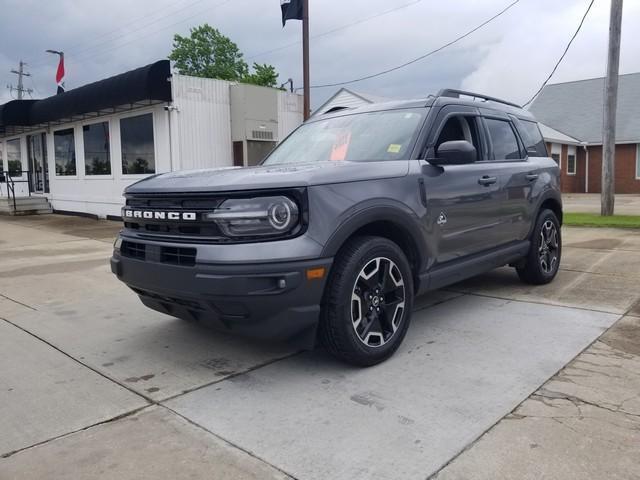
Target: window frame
(637, 161)
(482, 134)
(508, 120)
(575, 160)
(138, 113)
(520, 124)
(557, 152)
(21, 154)
(75, 151)
(91, 176)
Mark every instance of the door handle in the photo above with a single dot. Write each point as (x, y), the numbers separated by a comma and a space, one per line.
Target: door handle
(486, 180)
(532, 176)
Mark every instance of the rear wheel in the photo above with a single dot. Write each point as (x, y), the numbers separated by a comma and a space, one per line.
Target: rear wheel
(543, 260)
(368, 302)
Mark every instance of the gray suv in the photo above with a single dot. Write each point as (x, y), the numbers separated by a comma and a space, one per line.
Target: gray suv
(349, 218)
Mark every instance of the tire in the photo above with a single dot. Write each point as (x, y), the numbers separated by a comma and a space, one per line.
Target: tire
(543, 260)
(368, 302)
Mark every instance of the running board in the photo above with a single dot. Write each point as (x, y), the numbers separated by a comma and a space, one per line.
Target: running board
(458, 270)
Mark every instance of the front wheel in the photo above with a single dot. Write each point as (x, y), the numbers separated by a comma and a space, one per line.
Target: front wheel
(543, 260)
(368, 302)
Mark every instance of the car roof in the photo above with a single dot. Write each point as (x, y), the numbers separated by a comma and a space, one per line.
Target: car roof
(444, 97)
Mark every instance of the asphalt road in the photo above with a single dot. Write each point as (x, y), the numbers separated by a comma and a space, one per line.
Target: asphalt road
(94, 385)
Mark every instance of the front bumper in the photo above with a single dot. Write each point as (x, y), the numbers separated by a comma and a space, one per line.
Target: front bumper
(267, 300)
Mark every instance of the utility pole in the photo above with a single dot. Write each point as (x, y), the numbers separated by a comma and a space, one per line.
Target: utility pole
(305, 58)
(20, 88)
(607, 200)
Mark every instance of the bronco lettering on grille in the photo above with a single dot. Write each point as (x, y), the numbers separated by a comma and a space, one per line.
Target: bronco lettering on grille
(159, 215)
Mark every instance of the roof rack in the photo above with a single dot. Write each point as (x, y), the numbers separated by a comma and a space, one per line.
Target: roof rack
(451, 92)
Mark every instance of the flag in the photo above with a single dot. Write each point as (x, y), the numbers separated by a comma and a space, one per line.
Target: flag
(60, 74)
(291, 10)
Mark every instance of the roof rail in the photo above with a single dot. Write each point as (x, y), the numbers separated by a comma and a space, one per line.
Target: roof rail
(451, 92)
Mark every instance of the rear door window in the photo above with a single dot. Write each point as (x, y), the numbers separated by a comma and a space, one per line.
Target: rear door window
(503, 139)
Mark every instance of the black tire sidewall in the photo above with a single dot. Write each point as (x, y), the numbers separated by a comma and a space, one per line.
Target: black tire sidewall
(534, 260)
(369, 249)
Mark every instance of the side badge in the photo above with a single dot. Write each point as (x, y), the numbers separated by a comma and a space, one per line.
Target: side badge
(442, 219)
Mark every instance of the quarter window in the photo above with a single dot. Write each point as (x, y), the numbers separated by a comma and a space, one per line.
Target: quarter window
(65, 152)
(503, 140)
(136, 138)
(556, 157)
(14, 159)
(97, 154)
(533, 141)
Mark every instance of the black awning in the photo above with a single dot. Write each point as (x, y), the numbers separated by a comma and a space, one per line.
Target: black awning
(150, 83)
(16, 112)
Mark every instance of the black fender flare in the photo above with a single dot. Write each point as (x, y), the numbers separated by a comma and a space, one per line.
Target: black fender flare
(372, 211)
(549, 194)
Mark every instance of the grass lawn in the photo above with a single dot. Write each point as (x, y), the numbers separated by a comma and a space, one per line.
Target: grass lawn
(595, 220)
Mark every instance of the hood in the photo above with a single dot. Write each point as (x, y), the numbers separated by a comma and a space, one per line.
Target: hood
(267, 177)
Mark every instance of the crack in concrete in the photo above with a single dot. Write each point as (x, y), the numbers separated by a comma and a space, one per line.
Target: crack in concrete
(18, 303)
(231, 444)
(57, 437)
(544, 393)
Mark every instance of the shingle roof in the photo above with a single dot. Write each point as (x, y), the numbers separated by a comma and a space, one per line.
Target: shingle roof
(575, 108)
(554, 136)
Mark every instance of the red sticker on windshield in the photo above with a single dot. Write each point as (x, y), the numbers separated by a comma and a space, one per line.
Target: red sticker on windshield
(341, 147)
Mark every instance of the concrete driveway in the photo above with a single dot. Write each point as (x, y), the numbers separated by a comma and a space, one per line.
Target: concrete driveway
(94, 385)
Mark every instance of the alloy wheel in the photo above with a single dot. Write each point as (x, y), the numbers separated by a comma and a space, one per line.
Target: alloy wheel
(377, 302)
(549, 247)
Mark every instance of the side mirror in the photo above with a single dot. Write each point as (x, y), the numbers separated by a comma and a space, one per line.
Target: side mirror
(455, 152)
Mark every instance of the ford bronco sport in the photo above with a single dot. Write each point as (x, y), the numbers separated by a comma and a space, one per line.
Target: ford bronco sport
(349, 218)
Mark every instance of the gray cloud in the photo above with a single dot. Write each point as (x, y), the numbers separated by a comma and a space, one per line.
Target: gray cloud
(509, 57)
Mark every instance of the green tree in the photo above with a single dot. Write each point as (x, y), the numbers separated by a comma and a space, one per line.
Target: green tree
(208, 53)
(263, 74)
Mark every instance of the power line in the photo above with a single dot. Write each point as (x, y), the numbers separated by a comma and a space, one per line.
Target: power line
(544, 84)
(422, 57)
(144, 26)
(93, 44)
(337, 29)
(108, 49)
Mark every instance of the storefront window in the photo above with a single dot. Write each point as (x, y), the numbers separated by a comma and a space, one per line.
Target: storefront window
(136, 138)
(65, 149)
(14, 160)
(97, 154)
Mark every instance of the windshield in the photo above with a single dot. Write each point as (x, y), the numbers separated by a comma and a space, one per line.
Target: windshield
(361, 137)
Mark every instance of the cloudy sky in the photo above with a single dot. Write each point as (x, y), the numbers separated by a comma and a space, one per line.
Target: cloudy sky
(509, 57)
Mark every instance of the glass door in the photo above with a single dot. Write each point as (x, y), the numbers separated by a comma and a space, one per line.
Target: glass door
(38, 169)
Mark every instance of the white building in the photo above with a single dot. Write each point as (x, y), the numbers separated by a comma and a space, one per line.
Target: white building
(80, 149)
(345, 98)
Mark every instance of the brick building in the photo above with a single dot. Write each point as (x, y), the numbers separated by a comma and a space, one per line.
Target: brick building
(572, 115)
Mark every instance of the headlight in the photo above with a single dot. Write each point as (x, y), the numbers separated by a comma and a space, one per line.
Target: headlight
(260, 216)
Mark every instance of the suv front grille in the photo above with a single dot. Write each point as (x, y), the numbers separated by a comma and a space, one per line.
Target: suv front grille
(191, 231)
(178, 256)
(133, 250)
(182, 256)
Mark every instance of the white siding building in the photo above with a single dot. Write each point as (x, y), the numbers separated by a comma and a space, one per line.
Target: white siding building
(81, 149)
